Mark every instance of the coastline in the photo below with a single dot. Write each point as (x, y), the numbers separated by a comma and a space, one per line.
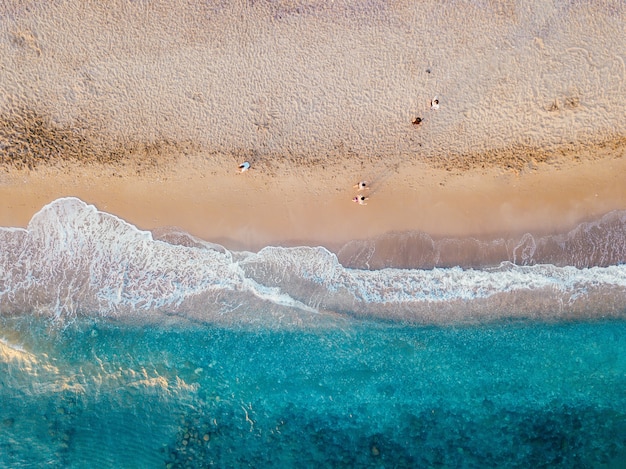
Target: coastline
(298, 205)
(472, 313)
(148, 113)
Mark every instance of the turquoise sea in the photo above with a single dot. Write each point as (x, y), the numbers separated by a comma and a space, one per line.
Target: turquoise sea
(121, 350)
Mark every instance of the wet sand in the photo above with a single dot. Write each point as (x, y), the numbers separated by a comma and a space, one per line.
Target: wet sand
(314, 206)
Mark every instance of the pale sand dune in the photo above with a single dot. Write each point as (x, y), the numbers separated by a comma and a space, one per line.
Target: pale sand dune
(317, 95)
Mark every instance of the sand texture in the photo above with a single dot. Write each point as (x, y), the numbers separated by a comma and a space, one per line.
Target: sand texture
(146, 108)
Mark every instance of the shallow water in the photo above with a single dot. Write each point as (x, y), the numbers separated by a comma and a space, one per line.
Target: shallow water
(508, 394)
(600, 242)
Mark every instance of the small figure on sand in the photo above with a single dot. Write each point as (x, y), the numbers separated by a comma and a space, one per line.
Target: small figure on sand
(417, 121)
(361, 186)
(434, 103)
(360, 199)
(243, 167)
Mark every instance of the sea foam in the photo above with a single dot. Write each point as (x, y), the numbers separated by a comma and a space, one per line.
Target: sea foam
(75, 260)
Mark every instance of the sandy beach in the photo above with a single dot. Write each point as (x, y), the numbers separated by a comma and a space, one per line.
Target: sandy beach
(148, 111)
(314, 206)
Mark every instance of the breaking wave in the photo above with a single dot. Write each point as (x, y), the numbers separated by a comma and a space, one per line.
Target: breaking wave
(75, 260)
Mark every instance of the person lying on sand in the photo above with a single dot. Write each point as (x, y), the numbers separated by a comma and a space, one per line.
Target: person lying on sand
(361, 186)
(360, 199)
(243, 167)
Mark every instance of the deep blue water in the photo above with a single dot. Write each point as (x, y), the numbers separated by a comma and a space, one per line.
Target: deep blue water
(96, 393)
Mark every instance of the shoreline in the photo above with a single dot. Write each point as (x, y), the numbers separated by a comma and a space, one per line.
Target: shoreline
(287, 205)
(148, 111)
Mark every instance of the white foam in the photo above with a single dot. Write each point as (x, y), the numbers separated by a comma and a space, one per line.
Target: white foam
(80, 259)
(73, 259)
(321, 267)
(440, 285)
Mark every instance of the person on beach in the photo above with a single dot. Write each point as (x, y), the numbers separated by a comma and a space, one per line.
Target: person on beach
(361, 186)
(360, 199)
(434, 103)
(243, 167)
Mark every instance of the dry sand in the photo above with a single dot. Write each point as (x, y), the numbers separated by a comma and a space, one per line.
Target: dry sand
(146, 108)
